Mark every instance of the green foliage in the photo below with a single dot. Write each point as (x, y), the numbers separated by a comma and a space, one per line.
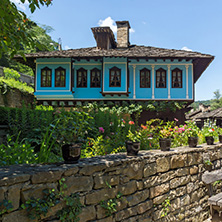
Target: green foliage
(73, 126)
(5, 206)
(37, 207)
(165, 205)
(10, 73)
(208, 162)
(209, 129)
(134, 136)
(7, 84)
(15, 27)
(110, 204)
(16, 153)
(191, 129)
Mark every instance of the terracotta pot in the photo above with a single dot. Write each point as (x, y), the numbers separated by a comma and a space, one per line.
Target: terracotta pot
(220, 138)
(209, 140)
(71, 152)
(165, 144)
(132, 148)
(192, 141)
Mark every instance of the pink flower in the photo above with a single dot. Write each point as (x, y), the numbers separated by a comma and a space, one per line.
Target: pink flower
(176, 119)
(124, 121)
(101, 130)
(131, 123)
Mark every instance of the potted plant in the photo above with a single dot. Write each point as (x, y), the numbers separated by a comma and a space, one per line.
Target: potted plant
(71, 133)
(209, 133)
(219, 132)
(133, 144)
(208, 165)
(192, 131)
(165, 139)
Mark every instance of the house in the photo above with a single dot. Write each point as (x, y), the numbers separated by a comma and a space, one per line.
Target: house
(116, 71)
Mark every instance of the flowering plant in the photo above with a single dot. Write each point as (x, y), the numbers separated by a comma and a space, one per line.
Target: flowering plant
(209, 129)
(191, 129)
(209, 132)
(166, 131)
(134, 136)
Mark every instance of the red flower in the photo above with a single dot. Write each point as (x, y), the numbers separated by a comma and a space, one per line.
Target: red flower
(131, 123)
(212, 129)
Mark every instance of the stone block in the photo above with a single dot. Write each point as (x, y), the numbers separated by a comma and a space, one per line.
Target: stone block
(163, 164)
(181, 172)
(194, 158)
(143, 207)
(128, 188)
(14, 195)
(35, 191)
(129, 212)
(71, 171)
(17, 216)
(107, 219)
(105, 181)
(180, 191)
(88, 213)
(2, 193)
(90, 169)
(137, 197)
(134, 170)
(77, 184)
(180, 181)
(149, 170)
(159, 190)
(46, 177)
(139, 185)
(97, 196)
(160, 199)
(175, 204)
(185, 200)
(178, 161)
(13, 179)
(194, 170)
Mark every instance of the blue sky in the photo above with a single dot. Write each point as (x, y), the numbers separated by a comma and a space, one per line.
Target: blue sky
(172, 24)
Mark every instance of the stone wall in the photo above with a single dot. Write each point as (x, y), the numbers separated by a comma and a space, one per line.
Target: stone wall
(145, 182)
(15, 98)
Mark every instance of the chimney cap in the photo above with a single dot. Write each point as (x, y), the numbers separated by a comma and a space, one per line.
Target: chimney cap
(123, 24)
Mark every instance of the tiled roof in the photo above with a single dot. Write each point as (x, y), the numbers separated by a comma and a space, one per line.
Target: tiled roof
(132, 51)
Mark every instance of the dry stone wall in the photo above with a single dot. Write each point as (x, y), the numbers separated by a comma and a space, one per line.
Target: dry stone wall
(145, 182)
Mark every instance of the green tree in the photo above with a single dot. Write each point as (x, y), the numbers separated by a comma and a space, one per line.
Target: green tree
(217, 102)
(14, 27)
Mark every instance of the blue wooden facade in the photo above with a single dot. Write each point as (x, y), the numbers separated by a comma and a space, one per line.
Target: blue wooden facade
(117, 71)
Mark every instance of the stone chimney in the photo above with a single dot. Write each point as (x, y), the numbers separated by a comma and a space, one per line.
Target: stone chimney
(123, 34)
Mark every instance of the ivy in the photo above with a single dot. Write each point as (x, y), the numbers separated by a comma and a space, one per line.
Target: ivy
(38, 207)
(5, 205)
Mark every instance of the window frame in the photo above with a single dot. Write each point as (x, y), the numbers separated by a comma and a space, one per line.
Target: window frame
(64, 82)
(177, 70)
(77, 78)
(91, 78)
(115, 69)
(145, 70)
(161, 70)
(48, 80)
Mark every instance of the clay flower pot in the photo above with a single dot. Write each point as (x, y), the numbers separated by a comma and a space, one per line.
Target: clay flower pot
(165, 144)
(192, 141)
(132, 148)
(71, 152)
(209, 140)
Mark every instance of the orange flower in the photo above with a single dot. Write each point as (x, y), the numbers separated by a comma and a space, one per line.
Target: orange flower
(144, 127)
(131, 123)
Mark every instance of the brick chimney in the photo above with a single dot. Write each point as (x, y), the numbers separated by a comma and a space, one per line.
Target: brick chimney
(123, 34)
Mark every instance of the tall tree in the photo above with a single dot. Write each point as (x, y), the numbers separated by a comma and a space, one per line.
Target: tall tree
(14, 26)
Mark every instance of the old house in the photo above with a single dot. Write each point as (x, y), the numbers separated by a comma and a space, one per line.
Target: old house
(116, 70)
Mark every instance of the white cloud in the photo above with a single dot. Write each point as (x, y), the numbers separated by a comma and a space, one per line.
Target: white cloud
(108, 22)
(186, 49)
(20, 5)
(67, 47)
(111, 23)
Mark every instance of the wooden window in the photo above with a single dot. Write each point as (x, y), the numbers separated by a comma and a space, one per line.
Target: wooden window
(46, 77)
(95, 78)
(81, 78)
(160, 78)
(176, 78)
(115, 77)
(60, 77)
(144, 78)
